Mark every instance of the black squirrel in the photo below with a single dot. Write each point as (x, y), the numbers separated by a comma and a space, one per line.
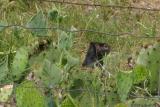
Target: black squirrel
(95, 54)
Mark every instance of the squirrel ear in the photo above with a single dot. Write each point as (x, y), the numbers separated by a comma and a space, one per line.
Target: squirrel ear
(98, 47)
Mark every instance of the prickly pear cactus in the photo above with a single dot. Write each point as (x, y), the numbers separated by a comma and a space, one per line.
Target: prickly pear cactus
(27, 95)
(20, 62)
(51, 73)
(124, 84)
(150, 58)
(143, 102)
(3, 69)
(38, 21)
(86, 100)
(140, 74)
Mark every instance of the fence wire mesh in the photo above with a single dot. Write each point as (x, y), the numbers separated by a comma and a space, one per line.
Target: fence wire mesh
(120, 34)
(101, 5)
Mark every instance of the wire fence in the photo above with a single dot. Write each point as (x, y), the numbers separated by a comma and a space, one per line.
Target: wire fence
(113, 99)
(121, 34)
(79, 90)
(101, 5)
(82, 90)
(89, 90)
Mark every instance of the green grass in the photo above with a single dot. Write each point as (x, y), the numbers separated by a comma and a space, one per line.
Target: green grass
(101, 19)
(81, 17)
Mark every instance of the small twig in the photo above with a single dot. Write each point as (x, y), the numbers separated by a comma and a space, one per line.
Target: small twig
(7, 53)
(145, 90)
(104, 69)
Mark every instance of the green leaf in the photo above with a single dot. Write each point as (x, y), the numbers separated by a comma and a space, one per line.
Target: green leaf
(53, 14)
(142, 102)
(27, 95)
(140, 74)
(3, 69)
(70, 61)
(154, 66)
(54, 55)
(124, 84)
(143, 57)
(20, 62)
(3, 25)
(38, 24)
(87, 100)
(77, 84)
(51, 74)
(68, 102)
(65, 41)
(150, 59)
(112, 98)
